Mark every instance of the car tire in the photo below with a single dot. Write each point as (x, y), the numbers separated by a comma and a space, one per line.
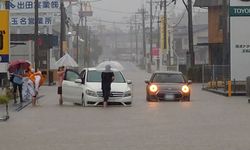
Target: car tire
(148, 98)
(187, 98)
(129, 104)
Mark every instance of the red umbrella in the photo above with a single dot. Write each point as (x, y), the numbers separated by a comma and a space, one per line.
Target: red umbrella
(16, 64)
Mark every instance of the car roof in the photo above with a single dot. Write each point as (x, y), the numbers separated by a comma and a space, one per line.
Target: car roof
(168, 72)
(93, 68)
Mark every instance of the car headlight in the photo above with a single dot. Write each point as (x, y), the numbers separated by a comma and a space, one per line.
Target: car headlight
(127, 94)
(153, 88)
(185, 89)
(91, 93)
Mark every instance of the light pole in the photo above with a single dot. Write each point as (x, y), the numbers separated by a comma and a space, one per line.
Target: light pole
(36, 35)
(62, 28)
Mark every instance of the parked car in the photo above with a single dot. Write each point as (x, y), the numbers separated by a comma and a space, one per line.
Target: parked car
(168, 86)
(85, 88)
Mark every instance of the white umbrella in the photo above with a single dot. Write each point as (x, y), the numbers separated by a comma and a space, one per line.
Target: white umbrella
(66, 61)
(113, 64)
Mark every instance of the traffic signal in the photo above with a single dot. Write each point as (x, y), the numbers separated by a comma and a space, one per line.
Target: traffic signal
(47, 41)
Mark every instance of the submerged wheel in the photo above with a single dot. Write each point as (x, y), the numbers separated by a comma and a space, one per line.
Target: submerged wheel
(148, 98)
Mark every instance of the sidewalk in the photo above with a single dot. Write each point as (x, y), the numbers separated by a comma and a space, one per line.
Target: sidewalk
(16, 107)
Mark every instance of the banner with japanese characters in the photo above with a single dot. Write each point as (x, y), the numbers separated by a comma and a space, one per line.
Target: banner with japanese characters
(239, 12)
(30, 20)
(28, 6)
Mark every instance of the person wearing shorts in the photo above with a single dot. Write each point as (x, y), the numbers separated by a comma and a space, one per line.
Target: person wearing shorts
(60, 77)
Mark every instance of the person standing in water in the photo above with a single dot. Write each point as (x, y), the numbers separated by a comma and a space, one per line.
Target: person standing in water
(107, 78)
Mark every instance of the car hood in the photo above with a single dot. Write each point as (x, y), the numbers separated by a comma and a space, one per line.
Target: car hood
(118, 87)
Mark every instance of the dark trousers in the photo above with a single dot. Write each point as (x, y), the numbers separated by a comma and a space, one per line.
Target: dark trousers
(106, 94)
(15, 86)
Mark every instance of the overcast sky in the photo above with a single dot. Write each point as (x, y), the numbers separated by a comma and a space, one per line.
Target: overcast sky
(121, 10)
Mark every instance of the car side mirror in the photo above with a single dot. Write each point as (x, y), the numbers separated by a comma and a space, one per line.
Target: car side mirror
(129, 81)
(147, 82)
(78, 81)
(189, 82)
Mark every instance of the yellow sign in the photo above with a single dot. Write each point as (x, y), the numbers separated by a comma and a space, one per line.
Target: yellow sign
(4, 36)
(164, 47)
(65, 46)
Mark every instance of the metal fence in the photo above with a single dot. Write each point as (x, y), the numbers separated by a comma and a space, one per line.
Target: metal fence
(215, 76)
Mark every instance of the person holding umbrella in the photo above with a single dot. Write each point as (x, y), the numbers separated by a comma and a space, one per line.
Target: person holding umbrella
(107, 78)
(18, 82)
(16, 69)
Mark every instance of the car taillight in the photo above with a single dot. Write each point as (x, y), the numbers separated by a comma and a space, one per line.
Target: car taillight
(153, 88)
(185, 89)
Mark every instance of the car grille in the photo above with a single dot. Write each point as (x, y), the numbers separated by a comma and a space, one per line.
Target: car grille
(112, 94)
(161, 95)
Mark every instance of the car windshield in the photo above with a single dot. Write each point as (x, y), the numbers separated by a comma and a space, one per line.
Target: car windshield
(168, 78)
(95, 76)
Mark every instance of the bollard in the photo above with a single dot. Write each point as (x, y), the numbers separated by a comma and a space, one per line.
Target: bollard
(229, 88)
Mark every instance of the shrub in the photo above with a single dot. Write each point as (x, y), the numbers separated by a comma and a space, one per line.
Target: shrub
(4, 99)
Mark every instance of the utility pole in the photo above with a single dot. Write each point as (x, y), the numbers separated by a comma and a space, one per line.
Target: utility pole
(86, 44)
(77, 43)
(136, 40)
(63, 28)
(144, 37)
(81, 35)
(165, 24)
(36, 36)
(151, 30)
(158, 43)
(131, 39)
(115, 40)
(225, 37)
(190, 32)
(149, 62)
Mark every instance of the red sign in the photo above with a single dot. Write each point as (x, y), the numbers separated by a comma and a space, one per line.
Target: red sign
(155, 52)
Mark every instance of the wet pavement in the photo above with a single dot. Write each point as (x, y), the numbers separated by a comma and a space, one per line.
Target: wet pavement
(208, 122)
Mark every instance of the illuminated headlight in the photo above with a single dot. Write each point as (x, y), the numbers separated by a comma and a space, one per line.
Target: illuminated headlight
(153, 88)
(185, 89)
(91, 93)
(127, 94)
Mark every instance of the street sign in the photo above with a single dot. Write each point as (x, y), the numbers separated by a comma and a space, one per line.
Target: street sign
(4, 36)
(239, 12)
(28, 6)
(29, 20)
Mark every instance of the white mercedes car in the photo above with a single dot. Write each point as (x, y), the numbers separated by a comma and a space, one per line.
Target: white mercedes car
(85, 88)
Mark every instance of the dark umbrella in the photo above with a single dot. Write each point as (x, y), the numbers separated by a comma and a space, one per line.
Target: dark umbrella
(15, 64)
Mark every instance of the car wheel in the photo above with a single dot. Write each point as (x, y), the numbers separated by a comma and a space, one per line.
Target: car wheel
(148, 98)
(187, 98)
(129, 103)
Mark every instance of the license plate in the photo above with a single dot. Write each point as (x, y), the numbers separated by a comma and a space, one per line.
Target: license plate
(169, 97)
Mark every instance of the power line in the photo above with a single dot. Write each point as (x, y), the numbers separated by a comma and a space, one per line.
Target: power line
(113, 11)
(183, 15)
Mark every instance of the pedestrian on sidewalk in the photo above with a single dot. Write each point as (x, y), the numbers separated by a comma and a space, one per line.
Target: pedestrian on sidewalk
(38, 79)
(107, 78)
(17, 82)
(60, 77)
